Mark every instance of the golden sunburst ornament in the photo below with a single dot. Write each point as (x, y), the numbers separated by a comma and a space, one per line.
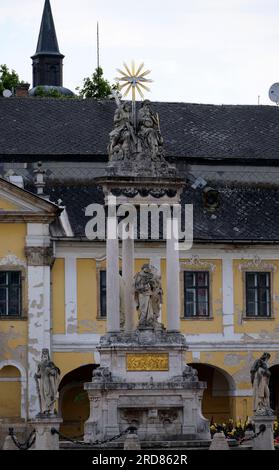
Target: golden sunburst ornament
(133, 79)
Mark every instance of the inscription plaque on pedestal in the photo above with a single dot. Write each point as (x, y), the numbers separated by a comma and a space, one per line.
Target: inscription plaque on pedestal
(147, 362)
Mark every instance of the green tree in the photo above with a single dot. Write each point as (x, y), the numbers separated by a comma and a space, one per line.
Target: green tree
(50, 93)
(96, 86)
(8, 79)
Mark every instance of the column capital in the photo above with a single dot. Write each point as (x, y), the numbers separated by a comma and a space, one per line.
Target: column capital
(39, 255)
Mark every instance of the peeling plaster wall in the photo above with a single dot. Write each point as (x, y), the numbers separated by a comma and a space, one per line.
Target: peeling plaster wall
(226, 341)
(218, 342)
(87, 305)
(12, 240)
(13, 341)
(67, 362)
(235, 368)
(58, 297)
(71, 294)
(38, 327)
(13, 333)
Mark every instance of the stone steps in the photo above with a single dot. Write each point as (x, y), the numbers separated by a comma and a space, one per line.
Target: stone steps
(155, 445)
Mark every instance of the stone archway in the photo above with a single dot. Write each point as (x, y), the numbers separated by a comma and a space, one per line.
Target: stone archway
(73, 400)
(217, 403)
(274, 388)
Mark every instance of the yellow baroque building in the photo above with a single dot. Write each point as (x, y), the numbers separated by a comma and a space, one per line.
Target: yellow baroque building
(53, 278)
(52, 295)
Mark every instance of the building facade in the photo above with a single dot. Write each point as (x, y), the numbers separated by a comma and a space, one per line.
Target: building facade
(52, 277)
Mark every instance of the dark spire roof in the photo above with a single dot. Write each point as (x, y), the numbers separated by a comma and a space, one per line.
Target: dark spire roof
(47, 42)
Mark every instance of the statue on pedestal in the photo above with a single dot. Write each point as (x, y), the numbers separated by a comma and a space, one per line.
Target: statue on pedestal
(135, 143)
(149, 131)
(260, 376)
(148, 296)
(122, 137)
(47, 379)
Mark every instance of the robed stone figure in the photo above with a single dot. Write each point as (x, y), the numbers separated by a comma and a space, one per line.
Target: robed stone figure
(47, 379)
(260, 376)
(148, 296)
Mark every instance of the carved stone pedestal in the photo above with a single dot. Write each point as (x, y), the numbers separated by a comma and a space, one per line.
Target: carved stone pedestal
(219, 442)
(143, 381)
(45, 439)
(132, 442)
(9, 444)
(265, 440)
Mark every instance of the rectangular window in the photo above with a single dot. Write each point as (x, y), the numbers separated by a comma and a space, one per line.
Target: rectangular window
(196, 294)
(10, 293)
(103, 294)
(258, 294)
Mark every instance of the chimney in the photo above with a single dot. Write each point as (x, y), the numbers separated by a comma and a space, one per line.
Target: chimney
(21, 90)
(39, 180)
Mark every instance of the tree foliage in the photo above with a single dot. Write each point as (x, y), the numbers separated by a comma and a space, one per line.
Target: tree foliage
(8, 79)
(52, 93)
(96, 86)
(41, 92)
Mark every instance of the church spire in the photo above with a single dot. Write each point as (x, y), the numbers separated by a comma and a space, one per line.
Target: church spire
(47, 42)
(47, 61)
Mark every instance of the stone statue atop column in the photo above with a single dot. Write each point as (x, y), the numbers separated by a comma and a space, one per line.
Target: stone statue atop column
(122, 137)
(137, 147)
(148, 296)
(260, 376)
(47, 379)
(149, 131)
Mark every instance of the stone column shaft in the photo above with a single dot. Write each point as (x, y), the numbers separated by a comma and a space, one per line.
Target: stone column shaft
(173, 291)
(128, 282)
(112, 276)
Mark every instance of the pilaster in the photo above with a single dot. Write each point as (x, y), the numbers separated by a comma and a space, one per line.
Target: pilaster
(39, 259)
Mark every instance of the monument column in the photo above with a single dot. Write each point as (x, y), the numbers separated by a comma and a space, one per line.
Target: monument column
(128, 280)
(173, 294)
(112, 276)
(141, 370)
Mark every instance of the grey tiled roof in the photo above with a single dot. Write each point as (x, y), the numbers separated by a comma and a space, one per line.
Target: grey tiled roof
(245, 213)
(78, 128)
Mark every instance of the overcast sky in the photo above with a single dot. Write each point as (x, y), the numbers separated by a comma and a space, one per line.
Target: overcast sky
(199, 51)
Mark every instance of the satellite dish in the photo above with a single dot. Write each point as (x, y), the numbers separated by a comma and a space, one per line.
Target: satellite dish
(7, 93)
(274, 93)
